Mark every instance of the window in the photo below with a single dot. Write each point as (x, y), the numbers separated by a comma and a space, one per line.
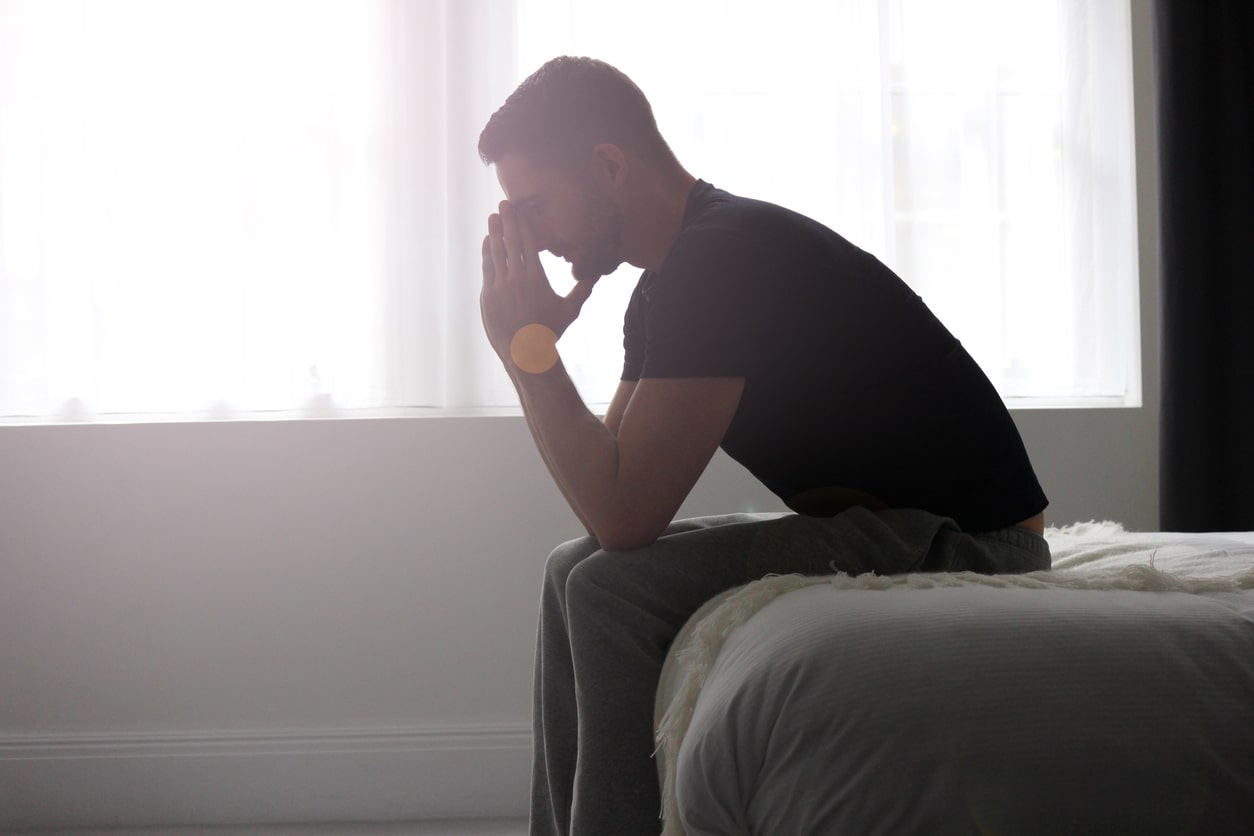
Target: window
(982, 149)
(249, 207)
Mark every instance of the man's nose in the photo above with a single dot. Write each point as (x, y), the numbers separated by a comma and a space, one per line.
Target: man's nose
(541, 238)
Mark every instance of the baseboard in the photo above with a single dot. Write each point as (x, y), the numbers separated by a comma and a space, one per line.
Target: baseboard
(137, 780)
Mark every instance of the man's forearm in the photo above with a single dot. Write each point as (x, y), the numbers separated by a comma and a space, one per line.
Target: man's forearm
(625, 482)
(579, 451)
(548, 460)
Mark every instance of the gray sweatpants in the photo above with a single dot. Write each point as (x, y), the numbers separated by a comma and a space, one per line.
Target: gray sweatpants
(607, 620)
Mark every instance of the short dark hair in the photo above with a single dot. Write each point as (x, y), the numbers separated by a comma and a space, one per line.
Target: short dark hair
(566, 108)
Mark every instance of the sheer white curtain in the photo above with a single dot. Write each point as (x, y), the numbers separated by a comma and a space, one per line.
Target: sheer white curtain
(239, 207)
(231, 207)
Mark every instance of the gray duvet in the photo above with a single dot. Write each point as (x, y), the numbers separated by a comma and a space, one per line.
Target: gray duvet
(1112, 695)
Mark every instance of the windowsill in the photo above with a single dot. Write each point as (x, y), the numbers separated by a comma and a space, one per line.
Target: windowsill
(424, 412)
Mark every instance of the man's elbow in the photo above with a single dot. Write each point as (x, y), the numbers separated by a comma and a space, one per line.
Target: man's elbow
(629, 534)
(625, 544)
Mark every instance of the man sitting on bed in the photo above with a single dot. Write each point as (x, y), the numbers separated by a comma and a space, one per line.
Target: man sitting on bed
(753, 329)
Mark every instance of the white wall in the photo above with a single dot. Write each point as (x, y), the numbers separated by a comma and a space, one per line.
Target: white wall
(277, 589)
(334, 619)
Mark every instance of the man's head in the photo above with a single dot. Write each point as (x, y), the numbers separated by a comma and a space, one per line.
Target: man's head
(560, 113)
(572, 146)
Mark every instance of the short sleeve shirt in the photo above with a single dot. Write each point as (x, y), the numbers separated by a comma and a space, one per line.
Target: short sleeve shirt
(851, 383)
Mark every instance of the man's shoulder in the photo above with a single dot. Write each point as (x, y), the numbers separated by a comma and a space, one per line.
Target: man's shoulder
(713, 210)
(725, 233)
(729, 238)
(721, 218)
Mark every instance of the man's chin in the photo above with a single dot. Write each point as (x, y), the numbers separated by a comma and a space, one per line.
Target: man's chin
(585, 273)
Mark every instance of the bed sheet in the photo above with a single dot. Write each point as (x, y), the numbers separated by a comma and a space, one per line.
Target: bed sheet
(1114, 693)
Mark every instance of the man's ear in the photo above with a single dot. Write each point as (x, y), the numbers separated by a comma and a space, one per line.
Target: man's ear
(609, 162)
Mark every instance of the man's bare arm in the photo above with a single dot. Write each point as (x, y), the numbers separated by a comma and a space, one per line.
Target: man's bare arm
(627, 486)
(618, 405)
(613, 418)
(624, 478)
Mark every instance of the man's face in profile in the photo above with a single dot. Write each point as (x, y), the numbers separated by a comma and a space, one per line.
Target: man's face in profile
(569, 215)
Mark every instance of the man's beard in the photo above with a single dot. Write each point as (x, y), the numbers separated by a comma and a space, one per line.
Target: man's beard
(599, 252)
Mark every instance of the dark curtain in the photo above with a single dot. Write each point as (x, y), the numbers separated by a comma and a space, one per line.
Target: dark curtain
(1204, 62)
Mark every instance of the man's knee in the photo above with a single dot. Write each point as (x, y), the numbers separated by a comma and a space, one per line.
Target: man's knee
(587, 574)
(604, 581)
(563, 559)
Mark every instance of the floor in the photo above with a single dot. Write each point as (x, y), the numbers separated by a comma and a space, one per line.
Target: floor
(449, 827)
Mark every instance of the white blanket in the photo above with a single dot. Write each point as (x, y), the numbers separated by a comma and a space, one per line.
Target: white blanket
(743, 784)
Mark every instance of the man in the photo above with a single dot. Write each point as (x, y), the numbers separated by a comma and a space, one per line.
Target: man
(753, 329)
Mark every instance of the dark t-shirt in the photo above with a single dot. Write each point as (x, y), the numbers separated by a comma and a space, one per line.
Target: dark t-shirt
(850, 381)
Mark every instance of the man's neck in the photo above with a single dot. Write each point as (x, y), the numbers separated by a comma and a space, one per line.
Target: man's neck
(656, 216)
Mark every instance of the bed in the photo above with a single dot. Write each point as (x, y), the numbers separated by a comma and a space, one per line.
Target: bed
(1113, 694)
